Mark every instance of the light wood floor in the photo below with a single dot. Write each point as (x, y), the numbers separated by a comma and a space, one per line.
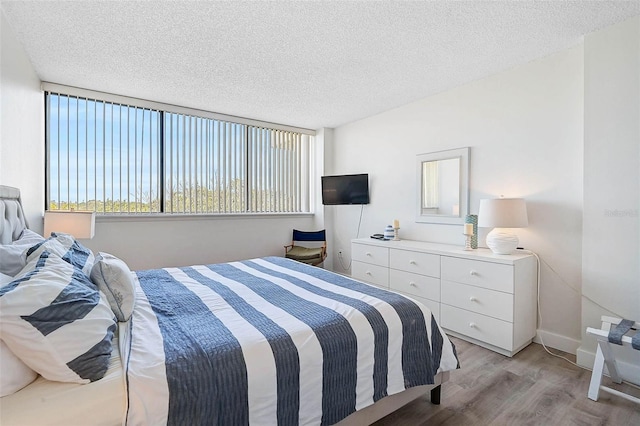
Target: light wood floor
(532, 388)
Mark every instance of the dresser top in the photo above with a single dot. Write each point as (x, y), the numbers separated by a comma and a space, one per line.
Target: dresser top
(483, 254)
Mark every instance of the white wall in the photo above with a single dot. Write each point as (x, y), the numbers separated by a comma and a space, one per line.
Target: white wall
(611, 224)
(21, 126)
(525, 130)
(160, 242)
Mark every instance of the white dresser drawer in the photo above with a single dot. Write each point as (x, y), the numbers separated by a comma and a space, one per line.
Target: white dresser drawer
(374, 274)
(418, 285)
(496, 294)
(416, 262)
(494, 276)
(477, 299)
(490, 330)
(370, 254)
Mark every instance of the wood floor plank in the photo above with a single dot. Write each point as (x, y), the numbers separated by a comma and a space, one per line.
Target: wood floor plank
(532, 388)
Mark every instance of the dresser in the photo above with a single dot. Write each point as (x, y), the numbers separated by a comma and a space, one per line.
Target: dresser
(481, 297)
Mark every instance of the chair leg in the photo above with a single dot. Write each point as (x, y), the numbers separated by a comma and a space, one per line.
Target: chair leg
(596, 375)
(604, 356)
(610, 362)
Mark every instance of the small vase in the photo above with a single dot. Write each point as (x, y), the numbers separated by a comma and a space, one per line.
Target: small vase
(388, 232)
(473, 219)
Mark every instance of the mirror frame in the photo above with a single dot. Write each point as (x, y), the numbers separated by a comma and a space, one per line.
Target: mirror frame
(463, 155)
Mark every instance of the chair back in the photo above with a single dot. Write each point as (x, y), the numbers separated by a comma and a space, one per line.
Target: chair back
(309, 235)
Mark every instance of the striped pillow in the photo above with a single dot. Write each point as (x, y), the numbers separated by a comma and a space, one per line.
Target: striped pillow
(65, 246)
(55, 321)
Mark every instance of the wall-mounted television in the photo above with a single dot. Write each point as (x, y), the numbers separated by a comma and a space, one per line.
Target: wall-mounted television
(345, 189)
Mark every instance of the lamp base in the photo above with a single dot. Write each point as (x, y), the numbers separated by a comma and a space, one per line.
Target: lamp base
(501, 241)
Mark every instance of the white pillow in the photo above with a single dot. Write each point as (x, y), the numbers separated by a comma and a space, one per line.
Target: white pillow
(5, 279)
(55, 321)
(12, 256)
(113, 277)
(14, 374)
(65, 246)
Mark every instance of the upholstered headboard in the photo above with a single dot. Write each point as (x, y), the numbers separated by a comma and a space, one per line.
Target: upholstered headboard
(12, 219)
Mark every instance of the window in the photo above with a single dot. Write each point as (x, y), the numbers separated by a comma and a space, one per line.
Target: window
(102, 156)
(122, 159)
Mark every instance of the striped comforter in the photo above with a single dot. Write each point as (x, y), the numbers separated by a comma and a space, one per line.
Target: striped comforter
(271, 341)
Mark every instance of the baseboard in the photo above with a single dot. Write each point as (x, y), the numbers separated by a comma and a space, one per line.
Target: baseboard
(557, 341)
(628, 371)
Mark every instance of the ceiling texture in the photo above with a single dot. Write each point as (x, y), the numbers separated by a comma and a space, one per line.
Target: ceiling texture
(300, 63)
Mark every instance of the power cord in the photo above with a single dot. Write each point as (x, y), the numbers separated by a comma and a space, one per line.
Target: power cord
(539, 262)
(540, 312)
(346, 269)
(573, 288)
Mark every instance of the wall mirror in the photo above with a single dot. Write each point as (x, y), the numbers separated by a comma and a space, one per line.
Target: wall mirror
(443, 186)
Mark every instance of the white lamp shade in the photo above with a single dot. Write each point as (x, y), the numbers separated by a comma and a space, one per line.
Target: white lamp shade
(503, 213)
(80, 224)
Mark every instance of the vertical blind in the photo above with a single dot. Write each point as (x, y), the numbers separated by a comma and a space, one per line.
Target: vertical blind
(114, 158)
(278, 170)
(102, 156)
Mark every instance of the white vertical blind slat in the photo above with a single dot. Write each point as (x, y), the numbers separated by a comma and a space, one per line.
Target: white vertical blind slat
(207, 165)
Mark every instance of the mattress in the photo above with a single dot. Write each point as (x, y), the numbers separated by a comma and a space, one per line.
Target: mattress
(44, 402)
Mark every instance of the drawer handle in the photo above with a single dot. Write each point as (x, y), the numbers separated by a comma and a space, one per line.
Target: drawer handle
(368, 253)
(412, 284)
(368, 272)
(473, 299)
(412, 262)
(472, 272)
(472, 324)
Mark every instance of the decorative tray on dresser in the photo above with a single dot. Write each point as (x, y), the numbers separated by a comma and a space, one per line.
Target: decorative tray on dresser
(481, 297)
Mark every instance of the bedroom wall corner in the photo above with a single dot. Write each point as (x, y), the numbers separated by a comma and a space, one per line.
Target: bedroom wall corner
(611, 218)
(21, 126)
(322, 214)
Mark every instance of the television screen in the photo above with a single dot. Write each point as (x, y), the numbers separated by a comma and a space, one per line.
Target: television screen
(345, 189)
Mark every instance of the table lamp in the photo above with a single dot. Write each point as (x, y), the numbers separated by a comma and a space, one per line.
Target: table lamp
(502, 214)
(80, 224)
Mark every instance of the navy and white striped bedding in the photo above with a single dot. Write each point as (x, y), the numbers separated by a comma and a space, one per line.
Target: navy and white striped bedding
(271, 341)
(54, 319)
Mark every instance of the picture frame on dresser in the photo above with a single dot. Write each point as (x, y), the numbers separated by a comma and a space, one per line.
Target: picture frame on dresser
(487, 299)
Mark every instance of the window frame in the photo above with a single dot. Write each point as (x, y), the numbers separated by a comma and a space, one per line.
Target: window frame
(164, 214)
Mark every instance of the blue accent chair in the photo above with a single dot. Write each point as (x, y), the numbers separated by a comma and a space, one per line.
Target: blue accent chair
(311, 254)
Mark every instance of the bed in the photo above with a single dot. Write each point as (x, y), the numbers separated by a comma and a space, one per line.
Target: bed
(260, 341)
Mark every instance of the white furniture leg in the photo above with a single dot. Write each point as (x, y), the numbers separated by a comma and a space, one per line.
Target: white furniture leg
(604, 355)
(610, 361)
(596, 375)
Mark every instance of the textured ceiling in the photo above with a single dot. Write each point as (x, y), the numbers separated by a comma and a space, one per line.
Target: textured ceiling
(306, 64)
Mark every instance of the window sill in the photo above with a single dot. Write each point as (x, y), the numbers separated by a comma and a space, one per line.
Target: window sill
(161, 217)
